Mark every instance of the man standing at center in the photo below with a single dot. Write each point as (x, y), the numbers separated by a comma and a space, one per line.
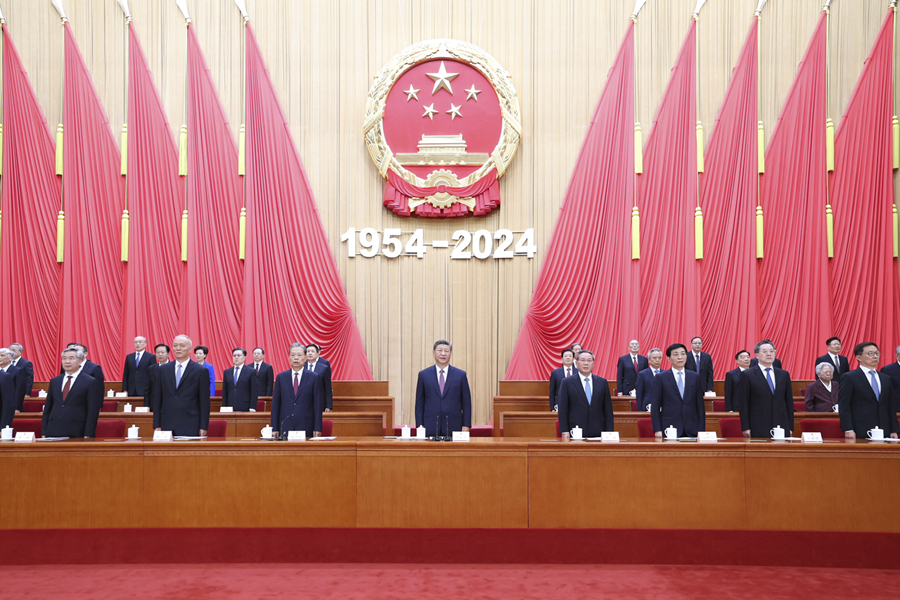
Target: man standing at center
(584, 400)
(443, 398)
(182, 390)
(765, 397)
(298, 398)
(676, 398)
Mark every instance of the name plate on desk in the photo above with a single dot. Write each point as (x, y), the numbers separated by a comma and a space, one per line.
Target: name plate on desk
(144, 409)
(226, 409)
(24, 436)
(609, 436)
(707, 436)
(812, 436)
(162, 436)
(296, 436)
(121, 394)
(460, 436)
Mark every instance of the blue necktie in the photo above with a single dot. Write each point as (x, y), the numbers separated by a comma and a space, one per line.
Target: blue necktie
(587, 388)
(178, 375)
(769, 379)
(681, 383)
(875, 386)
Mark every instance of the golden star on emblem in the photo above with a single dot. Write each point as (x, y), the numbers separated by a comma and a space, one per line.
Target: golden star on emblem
(473, 93)
(442, 80)
(429, 112)
(454, 112)
(411, 93)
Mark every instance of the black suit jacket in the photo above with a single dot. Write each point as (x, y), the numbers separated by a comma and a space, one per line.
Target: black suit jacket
(706, 369)
(760, 409)
(838, 373)
(593, 418)
(301, 411)
(731, 383)
(243, 396)
(556, 377)
(437, 412)
(893, 371)
(644, 385)
(28, 383)
(135, 377)
(323, 370)
(8, 402)
(77, 416)
(266, 378)
(18, 379)
(775, 363)
(626, 377)
(668, 408)
(860, 411)
(183, 410)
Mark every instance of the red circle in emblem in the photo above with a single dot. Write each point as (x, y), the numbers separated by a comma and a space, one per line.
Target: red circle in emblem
(442, 189)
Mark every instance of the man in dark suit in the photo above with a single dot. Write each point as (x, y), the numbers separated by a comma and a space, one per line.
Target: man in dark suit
(893, 371)
(240, 387)
(265, 374)
(866, 398)
(584, 401)
(8, 401)
(16, 374)
(776, 364)
(298, 398)
(182, 393)
(628, 368)
(732, 378)
(764, 395)
(833, 357)
(557, 375)
(701, 363)
(137, 365)
(26, 367)
(322, 368)
(443, 398)
(74, 400)
(676, 398)
(92, 369)
(161, 354)
(646, 377)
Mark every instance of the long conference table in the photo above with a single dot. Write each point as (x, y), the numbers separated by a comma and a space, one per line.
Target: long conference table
(484, 483)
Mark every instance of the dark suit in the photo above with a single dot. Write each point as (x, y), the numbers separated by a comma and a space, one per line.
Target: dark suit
(644, 385)
(25, 386)
(266, 377)
(151, 397)
(556, 377)
(775, 363)
(760, 409)
(243, 396)
(18, 379)
(819, 399)
(323, 370)
(593, 418)
(838, 371)
(92, 369)
(731, 383)
(893, 371)
(183, 410)
(135, 377)
(858, 408)
(7, 399)
(443, 413)
(77, 415)
(706, 369)
(300, 412)
(626, 376)
(668, 408)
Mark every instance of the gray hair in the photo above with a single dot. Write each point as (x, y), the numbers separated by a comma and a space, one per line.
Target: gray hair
(586, 352)
(140, 337)
(652, 350)
(297, 345)
(898, 350)
(7, 352)
(181, 335)
(78, 352)
(22, 348)
(823, 365)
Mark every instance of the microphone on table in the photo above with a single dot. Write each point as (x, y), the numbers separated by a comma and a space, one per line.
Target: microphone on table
(282, 434)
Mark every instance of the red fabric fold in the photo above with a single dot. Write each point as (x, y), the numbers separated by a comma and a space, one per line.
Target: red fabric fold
(30, 202)
(292, 288)
(485, 191)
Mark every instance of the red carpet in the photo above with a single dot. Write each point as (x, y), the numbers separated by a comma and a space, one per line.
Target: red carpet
(451, 581)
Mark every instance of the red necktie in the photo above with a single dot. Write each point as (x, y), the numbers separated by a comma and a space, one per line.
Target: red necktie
(568, 371)
(634, 358)
(296, 382)
(66, 387)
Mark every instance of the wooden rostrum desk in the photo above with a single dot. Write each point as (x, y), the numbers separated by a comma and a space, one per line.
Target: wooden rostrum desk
(487, 482)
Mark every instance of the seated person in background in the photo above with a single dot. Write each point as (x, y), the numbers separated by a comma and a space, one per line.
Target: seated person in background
(584, 401)
(201, 352)
(557, 375)
(74, 400)
(733, 376)
(628, 368)
(822, 394)
(676, 399)
(646, 377)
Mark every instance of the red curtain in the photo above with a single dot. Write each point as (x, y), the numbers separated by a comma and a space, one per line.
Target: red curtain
(292, 289)
(586, 292)
(864, 291)
(154, 273)
(667, 199)
(30, 275)
(485, 191)
(211, 308)
(728, 192)
(90, 301)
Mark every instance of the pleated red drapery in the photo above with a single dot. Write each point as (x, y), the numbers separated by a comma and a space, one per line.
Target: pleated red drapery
(30, 276)
(586, 292)
(292, 288)
(154, 273)
(211, 301)
(90, 298)
(864, 287)
(728, 192)
(667, 199)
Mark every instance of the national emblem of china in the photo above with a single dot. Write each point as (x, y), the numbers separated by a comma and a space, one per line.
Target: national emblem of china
(442, 124)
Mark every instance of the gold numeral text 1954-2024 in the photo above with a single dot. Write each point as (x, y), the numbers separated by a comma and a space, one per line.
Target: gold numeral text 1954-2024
(482, 244)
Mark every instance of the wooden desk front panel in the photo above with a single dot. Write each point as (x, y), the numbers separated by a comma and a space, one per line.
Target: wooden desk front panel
(647, 485)
(542, 424)
(367, 404)
(429, 484)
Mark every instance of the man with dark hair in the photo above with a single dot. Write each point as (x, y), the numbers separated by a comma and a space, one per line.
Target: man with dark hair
(732, 377)
(577, 347)
(137, 368)
(584, 400)
(646, 377)
(443, 397)
(182, 392)
(74, 400)
(240, 386)
(161, 352)
(764, 394)
(92, 369)
(866, 397)
(557, 375)
(27, 368)
(265, 374)
(628, 368)
(676, 398)
(322, 368)
(833, 357)
(701, 363)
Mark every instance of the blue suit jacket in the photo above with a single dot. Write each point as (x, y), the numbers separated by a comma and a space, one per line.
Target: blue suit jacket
(453, 408)
(300, 412)
(77, 416)
(668, 408)
(183, 410)
(8, 400)
(593, 418)
(626, 378)
(25, 386)
(323, 370)
(644, 385)
(242, 397)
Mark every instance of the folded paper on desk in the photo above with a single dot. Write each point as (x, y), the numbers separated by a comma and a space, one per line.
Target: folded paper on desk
(50, 439)
(189, 437)
(333, 437)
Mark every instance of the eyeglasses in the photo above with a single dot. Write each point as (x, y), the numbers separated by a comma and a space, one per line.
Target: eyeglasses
(872, 354)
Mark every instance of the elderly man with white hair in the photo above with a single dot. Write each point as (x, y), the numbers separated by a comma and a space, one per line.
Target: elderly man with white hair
(136, 374)
(18, 377)
(181, 393)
